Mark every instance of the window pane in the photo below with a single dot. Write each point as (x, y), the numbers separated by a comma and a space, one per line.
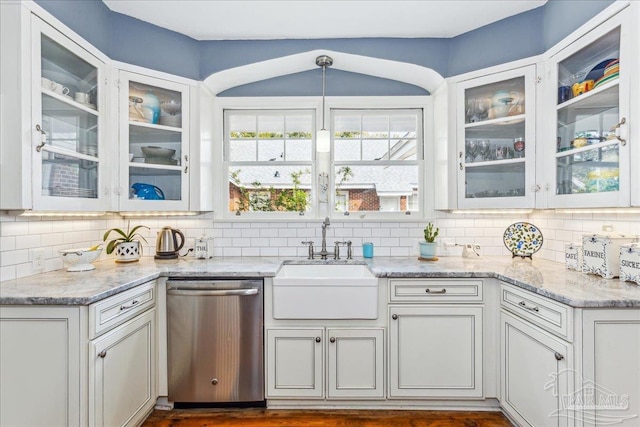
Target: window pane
(375, 126)
(375, 149)
(270, 150)
(346, 126)
(242, 150)
(377, 188)
(348, 149)
(403, 126)
(269, 188)
(242, 126)
(298, 149)
(403, 149)
(270, 127)
(298, 126)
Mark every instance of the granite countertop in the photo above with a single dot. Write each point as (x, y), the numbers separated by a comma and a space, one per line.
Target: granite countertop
(546, 278)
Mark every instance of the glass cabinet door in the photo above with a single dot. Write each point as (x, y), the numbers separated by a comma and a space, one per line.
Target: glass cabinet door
(155, 129)
(495, 140)
(590, 156)
(68, 124)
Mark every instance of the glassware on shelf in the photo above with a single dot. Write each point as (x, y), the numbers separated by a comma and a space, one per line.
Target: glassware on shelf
(171, 106)
(484, 149)
(471, 150)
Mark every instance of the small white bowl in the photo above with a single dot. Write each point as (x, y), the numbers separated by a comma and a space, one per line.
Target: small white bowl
(80, 259)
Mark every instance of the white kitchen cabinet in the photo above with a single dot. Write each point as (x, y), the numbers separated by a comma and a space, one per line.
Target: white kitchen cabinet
(122, 373)
(154, 143)
(610, 383)
(40, 366)
(354, 363)
(536, 373)
(435, 351)
(295, 364)
(79, 365)
(588, 144)
(54, 131)
(495, 133)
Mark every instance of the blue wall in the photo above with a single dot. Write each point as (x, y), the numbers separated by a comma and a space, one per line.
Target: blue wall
(90, 18)
(137, 42)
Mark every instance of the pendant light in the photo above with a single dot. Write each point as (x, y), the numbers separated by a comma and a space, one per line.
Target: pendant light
(323, 138)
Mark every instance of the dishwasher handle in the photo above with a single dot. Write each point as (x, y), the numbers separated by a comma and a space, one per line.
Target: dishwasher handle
(209, 292)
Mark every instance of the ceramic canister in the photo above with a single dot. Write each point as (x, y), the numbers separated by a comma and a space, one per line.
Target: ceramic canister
(630, 263)
(203, 248)
(601, 254)
(573, 256)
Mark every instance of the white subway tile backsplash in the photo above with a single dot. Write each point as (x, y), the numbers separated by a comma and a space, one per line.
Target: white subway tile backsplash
(19, 235)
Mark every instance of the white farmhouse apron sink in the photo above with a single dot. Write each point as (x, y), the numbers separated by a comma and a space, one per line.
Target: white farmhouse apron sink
(325, 291)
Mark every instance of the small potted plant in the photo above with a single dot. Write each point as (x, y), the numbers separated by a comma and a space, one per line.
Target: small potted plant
(127, 245)
(428, 246)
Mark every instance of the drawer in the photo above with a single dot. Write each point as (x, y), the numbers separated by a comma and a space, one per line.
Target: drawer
(435, 290)
(550, 315)
(106, 314)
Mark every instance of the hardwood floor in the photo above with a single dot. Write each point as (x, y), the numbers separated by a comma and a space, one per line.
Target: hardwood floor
(322, 418)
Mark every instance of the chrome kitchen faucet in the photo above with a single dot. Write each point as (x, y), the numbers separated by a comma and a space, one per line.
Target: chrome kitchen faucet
(323, 250)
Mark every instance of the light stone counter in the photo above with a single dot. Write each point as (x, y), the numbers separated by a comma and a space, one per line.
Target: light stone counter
(545, 278)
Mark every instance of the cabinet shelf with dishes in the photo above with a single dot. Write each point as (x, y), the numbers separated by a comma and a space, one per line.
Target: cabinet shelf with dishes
(495, 135)
(155, 143)
(590, 84)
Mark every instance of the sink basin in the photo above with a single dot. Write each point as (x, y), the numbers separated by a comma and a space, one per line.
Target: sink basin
(325, 291)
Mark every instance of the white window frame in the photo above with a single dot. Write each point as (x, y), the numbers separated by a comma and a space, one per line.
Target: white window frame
(322, 162)
(419, 162)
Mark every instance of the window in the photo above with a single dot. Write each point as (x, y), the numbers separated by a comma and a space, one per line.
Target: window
(269, 160)
(377, 156)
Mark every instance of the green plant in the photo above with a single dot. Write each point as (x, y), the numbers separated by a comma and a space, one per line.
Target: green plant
(430, 234)
(130, 236)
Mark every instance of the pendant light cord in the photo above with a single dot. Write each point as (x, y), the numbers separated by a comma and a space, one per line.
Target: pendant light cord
(324, 68)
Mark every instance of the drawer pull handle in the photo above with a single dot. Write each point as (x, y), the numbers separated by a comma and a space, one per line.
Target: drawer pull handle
(332, 339)
(102, 354)
(524, 305)
(441, 291)
(318, 339)
(127, 307)
(558, 356)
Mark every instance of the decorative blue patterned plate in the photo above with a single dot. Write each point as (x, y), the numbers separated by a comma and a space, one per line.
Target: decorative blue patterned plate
(522, 239)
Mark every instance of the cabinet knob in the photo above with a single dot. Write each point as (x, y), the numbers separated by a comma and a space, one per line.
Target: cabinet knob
(318, 339)
(332, 339)
(558, 356)
(102, 354)
(214, 381)
(394, 316)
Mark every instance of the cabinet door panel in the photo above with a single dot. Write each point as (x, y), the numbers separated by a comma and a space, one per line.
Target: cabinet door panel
(294, 363)
(39, 367)
(154, 135)
(534, 381)
(436, 351)
(591, 165)
(496, 140)
(355, 363)
(611, 363)
(68, 118)
(122, 373)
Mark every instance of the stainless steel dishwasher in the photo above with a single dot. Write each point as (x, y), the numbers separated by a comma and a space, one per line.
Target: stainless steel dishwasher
(215, 340)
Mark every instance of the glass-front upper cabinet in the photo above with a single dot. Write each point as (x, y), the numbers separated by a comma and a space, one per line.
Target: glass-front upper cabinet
(154, 135)
(68, 105)
(496, 134)
(590, 89)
